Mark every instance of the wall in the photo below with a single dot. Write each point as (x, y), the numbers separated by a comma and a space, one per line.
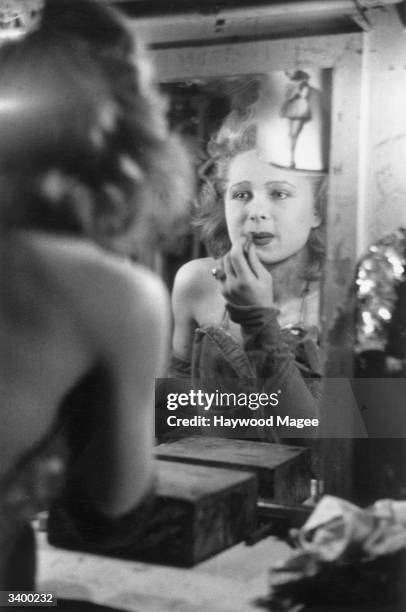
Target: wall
(368, 154)
(382, 183)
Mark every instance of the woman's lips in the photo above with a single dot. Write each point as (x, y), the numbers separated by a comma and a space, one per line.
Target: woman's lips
(262, 238)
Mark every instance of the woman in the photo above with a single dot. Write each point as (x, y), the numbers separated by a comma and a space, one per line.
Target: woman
(246, 319)
(84, 158)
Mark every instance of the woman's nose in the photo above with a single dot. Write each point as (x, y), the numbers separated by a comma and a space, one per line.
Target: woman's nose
(259, 210)
(258, 216)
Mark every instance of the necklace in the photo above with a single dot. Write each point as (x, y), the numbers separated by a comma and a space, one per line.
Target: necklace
(299, 329)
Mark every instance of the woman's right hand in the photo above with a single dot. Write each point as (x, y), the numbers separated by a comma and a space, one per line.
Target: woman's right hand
(244, 279)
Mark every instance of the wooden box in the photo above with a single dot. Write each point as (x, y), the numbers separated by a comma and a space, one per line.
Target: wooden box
(215, 509)
(197, 511)
(283, 471)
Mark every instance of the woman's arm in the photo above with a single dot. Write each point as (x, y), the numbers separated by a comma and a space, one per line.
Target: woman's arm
(248, 289)
(125, 315)
(108, 504)
(294, 374)
(186, 291)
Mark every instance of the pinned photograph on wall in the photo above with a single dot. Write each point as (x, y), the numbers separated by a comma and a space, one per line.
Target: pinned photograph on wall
(294, 115)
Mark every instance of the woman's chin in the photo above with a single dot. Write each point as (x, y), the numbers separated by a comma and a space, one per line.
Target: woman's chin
(270, 255)
(266, 256)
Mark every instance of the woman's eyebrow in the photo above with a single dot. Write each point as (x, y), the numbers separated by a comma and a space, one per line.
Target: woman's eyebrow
(281, 184)
(240, 184)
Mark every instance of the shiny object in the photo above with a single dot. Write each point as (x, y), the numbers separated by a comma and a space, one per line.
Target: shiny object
(380, 276)
(218, 274)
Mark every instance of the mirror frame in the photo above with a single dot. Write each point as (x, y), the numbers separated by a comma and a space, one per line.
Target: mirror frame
(343, 54)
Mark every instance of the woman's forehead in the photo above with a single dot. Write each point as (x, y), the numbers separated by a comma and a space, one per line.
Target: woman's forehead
(247, 166)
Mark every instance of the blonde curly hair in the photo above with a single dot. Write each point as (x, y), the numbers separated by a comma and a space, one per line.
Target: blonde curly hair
(84, 144)
(237, 135)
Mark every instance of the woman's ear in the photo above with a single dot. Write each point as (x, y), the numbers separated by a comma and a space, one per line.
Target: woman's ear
(316, 220)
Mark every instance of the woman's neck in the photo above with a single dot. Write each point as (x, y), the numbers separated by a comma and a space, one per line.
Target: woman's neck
(289, 279)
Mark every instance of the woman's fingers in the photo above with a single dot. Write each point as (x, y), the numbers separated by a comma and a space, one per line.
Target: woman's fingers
(255, 263)
(239, 262)
(243, 279)
(242, 265)
(229, 267)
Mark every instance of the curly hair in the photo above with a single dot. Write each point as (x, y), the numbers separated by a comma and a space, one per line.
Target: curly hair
(237, 135)
(84, 144)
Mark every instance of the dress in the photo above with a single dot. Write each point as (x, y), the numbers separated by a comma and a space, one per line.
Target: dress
(269, 360)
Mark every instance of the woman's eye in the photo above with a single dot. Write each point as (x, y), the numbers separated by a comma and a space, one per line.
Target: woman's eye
(279, 195)
(242, 196)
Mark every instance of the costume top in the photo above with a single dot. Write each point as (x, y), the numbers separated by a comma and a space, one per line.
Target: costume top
(269, 360)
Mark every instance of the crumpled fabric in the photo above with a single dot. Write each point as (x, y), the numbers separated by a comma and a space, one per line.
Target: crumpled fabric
(345, 554)
(338, 528)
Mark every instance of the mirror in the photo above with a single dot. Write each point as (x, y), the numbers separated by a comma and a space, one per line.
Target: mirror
(289, 109)
(206, 83)
(199, 107)
(338, 56)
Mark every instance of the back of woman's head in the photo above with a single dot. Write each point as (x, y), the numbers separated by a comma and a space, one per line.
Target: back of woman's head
(83, 140)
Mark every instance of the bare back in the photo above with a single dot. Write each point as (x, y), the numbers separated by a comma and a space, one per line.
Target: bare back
(67, 306)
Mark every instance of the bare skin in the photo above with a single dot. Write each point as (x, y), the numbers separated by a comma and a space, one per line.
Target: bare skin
(199, 299)
(269, 214)
(68, 306)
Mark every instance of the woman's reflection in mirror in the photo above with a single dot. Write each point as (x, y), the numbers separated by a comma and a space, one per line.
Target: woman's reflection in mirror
(247, 316)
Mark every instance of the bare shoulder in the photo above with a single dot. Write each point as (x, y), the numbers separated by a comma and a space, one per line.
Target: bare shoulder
(97, 284)
(193, 290)
(194, 279)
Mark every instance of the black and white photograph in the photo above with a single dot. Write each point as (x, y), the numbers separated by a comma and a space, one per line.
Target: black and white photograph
(203, 305)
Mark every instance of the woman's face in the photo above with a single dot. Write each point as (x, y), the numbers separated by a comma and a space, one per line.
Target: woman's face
(273, 205)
